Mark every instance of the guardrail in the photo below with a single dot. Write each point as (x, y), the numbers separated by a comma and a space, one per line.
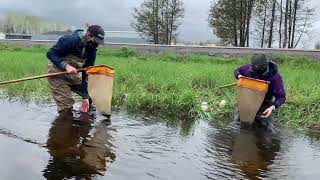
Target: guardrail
(205, 50)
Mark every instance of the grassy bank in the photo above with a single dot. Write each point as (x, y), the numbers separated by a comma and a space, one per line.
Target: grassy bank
(172, 84)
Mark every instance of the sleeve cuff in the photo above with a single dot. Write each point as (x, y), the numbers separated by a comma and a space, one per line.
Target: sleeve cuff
(275, 106)
(85, 96)
(62, 65)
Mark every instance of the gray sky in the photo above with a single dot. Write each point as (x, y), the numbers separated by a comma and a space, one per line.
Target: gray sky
(116, 14)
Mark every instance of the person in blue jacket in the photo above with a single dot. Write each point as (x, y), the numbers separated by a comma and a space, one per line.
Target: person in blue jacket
(72, 52)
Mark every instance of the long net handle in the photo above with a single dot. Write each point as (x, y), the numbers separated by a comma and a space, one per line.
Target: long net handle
(228, 85)
(37, 77)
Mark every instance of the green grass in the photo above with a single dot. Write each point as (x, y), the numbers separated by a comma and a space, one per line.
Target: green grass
(172, 84)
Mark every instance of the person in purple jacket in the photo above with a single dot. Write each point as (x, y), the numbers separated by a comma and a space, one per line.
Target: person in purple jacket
(264, 69)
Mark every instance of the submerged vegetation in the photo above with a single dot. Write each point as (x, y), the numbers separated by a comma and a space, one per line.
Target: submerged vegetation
(170, 83)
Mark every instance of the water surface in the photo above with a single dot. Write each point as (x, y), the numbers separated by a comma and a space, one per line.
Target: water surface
(36, 143)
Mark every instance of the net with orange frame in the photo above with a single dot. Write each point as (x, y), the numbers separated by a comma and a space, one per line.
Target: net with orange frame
(100, 86)
(250, 95)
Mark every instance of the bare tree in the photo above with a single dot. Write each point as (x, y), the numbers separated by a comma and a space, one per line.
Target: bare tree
(158, 21)
(280, 23)
(260, 22)
(231, 20)
(272, 23)
(290, 24)
(298, 21)
(304, 25)
(285, 31)
(264, 24)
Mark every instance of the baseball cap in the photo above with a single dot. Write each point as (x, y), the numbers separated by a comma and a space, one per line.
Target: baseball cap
(260, 63)
(97, 32)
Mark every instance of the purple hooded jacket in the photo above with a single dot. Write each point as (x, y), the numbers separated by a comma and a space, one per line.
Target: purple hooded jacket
(276, 88)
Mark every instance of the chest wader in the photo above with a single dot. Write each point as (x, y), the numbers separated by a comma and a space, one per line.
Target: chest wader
(62, 86)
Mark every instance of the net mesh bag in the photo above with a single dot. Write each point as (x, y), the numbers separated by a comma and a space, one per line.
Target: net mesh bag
(100, 86)
(250, 95)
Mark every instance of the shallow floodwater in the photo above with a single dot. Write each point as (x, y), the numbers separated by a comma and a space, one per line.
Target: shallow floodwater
(36, 143)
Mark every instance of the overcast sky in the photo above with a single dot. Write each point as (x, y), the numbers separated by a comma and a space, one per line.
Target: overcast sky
(116, 14)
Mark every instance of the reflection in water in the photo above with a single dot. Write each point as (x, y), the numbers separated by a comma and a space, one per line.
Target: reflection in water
(147, 148)
(240, 153)
(253, 152)
(185, 126)
(78, 149)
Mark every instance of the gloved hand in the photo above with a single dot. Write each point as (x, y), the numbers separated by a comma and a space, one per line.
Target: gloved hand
(85, 106)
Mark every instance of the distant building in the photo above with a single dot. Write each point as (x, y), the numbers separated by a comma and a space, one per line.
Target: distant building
(50, 36)
(17, 36)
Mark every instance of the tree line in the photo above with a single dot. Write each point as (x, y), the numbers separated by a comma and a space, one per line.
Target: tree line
(278, 23)
(157, 21)
(242, 23)
(12, 23)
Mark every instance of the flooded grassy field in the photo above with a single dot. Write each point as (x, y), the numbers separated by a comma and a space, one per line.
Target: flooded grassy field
(36, 143)
(171, 84)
